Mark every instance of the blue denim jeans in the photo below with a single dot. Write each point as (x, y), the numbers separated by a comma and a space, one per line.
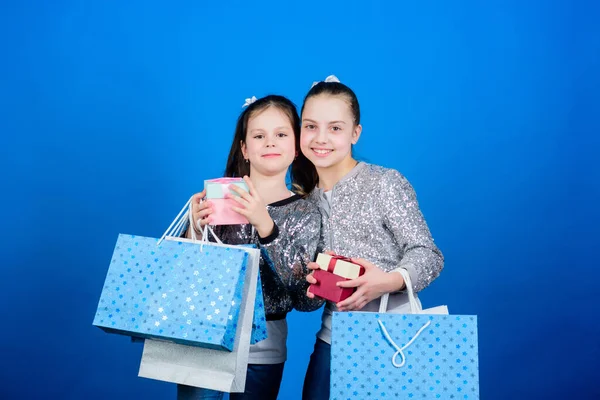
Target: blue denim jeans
(316, 381)
(262, 382)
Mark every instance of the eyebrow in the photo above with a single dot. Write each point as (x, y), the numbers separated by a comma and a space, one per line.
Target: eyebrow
(332, 122)
(279, 128)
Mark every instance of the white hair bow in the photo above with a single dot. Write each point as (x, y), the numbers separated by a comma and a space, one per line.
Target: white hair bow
(249, 101)
(330, 78)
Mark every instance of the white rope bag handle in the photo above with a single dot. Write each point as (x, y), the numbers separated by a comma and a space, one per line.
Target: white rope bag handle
(178, 225)
(415, 308)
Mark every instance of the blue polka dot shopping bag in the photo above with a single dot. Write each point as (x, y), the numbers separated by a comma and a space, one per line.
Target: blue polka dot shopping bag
(175, 289)
(422, 355)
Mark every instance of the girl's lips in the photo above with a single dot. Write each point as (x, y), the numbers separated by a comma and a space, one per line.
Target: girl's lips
(321, 152)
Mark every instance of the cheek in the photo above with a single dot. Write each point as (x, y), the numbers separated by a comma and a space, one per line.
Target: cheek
(291, 146)
(305, 139)
(251, 149)
(343, 141)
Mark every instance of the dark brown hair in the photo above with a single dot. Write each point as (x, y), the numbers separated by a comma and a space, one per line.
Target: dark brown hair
(336, 89)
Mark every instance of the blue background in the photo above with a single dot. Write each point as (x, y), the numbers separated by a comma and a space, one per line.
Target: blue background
(113, 113)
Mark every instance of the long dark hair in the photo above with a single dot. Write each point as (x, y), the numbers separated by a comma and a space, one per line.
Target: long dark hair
(303, 174)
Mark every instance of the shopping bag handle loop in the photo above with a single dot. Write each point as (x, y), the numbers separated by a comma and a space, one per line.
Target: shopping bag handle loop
(414, 305)
(400, 350)
(178, 224)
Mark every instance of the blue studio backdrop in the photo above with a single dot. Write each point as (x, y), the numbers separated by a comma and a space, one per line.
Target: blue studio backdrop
(113, 113)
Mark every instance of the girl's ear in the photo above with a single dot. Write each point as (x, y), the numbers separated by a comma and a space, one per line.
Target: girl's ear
(356, 133)
(244, 150)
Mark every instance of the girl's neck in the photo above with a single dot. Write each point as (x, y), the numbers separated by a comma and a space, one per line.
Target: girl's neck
(329, 176)
(270, 188)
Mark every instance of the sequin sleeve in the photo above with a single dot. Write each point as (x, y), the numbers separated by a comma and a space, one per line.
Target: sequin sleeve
(289, 254)
(403, 217)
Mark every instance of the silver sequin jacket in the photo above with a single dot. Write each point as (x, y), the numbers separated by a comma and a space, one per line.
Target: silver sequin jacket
(373, 214)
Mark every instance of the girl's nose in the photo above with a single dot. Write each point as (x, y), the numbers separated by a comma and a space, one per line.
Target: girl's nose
(321, 137)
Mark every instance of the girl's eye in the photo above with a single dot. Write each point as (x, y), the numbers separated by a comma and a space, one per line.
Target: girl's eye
(310, 126)
(282, 135)
(258, 136)
(336, 128)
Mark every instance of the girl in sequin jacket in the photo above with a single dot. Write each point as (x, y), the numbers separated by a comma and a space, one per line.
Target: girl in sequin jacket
(370, 213)
(283, 225)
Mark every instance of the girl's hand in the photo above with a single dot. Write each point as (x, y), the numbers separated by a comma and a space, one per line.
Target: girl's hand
(253, 208)
(310, 277)
(201, 211)
(372, 284)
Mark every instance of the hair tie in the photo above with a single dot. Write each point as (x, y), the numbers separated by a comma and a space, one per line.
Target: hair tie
(330, 78)
(249, 101)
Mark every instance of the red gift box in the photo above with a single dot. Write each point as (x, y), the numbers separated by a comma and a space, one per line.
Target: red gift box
(326, 287)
